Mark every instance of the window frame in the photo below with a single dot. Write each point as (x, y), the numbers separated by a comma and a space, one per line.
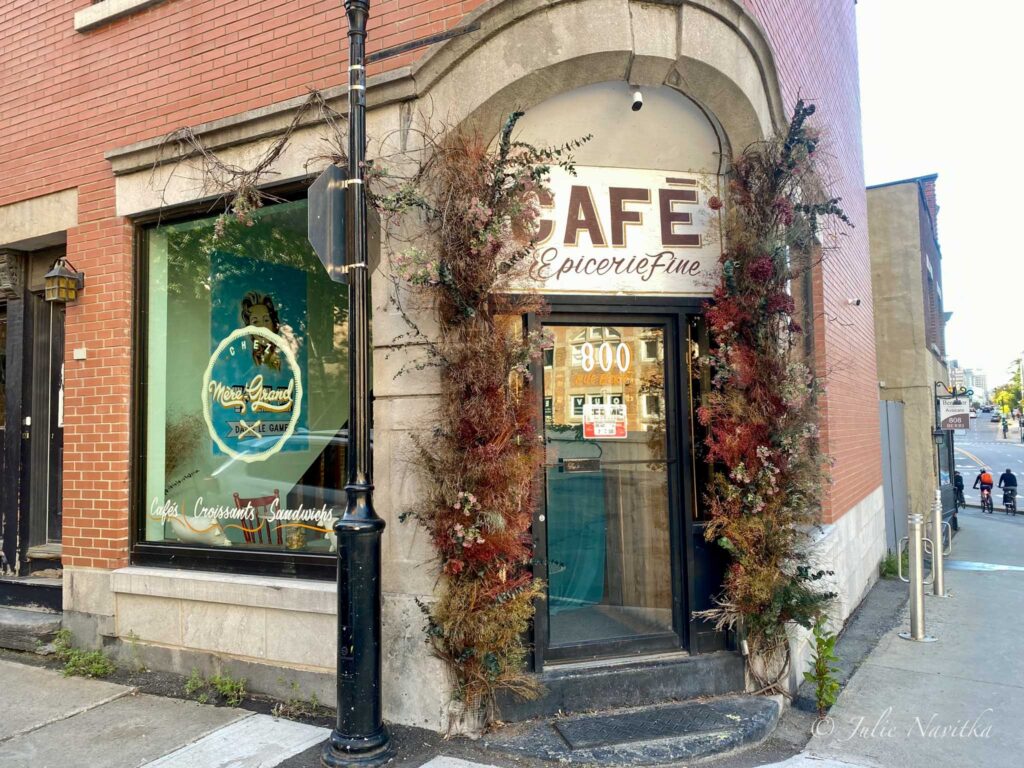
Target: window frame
(288, 563)
(646, 413)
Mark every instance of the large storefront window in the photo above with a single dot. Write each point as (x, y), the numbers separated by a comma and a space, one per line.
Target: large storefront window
(246, 386)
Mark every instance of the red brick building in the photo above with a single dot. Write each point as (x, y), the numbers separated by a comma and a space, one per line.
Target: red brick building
(101, 476)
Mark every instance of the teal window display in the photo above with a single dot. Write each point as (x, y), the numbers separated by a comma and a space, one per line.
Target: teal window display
(246, 385)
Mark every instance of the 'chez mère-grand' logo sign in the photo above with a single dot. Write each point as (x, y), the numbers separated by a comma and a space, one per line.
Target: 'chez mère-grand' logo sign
(630, 231)
(252, 389)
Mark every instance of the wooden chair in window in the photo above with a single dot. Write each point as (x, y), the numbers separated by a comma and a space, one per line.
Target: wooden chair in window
(261, 530)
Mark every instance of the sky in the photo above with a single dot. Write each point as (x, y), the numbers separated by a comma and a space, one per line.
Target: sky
(941, 93)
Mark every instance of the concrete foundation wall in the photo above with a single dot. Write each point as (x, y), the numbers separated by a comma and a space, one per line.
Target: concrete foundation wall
(278, 633)
(852, 547)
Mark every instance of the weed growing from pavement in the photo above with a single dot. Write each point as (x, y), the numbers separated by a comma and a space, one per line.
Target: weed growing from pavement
(194, 686)
(228, 690)
(888, 566)
(823, 669)
(78, 662)
(133, 649)
(296, 707)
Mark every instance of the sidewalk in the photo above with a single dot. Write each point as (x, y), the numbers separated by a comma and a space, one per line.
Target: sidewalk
(1012, 434)
(950, 703)
(954, 702)
(48, 720)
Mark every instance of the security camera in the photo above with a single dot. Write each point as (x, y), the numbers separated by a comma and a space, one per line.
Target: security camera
(638, 100)
(854, 302)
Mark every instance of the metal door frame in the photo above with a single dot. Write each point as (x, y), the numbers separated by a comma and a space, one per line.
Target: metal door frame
(672, 314)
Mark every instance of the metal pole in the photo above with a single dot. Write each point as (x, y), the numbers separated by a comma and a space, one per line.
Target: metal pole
(938, 579)
(915, 525)
(360, 737)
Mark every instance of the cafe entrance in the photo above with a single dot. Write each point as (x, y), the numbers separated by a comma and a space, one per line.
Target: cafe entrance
(619, 535)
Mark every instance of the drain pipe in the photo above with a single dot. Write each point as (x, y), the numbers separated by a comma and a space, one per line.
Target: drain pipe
(915, 540)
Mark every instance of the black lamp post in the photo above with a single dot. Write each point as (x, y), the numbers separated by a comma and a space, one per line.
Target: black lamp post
(360, 737)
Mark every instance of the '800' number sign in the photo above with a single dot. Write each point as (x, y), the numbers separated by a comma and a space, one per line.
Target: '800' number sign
(605, 357)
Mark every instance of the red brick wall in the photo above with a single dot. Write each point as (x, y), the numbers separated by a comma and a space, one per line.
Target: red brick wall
(815, 47)
(68, 97)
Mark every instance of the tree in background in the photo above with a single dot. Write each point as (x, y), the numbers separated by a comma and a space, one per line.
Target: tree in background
(1008, 396)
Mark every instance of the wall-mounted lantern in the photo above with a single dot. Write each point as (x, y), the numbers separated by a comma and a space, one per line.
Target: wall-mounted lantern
(63, 282)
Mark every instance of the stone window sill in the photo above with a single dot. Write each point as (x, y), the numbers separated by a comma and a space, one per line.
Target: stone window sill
(231, 589)
(107, 11)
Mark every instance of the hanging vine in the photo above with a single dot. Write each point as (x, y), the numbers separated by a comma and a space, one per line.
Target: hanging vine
(768, 469)
(479, 208)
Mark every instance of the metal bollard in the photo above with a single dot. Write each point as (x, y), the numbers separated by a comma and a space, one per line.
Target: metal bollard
(938, 550)
(915, 539)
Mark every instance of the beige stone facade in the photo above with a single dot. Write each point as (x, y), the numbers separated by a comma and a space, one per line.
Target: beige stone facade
(907, 294)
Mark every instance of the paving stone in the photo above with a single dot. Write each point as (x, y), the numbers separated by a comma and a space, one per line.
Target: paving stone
(31, 697)
(443, 761)
(125, 733)
(259, 741)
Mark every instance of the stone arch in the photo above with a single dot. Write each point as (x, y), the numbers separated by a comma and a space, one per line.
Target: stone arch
(526, 51)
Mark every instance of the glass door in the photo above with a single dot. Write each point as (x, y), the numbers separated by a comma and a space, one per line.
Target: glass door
(610, 519)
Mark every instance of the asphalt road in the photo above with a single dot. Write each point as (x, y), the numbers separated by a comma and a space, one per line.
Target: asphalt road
(983, 446)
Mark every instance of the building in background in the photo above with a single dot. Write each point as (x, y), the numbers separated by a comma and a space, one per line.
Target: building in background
(976, 379)
(970, 378)
(957, 377)
(166, 540)
(910, 346)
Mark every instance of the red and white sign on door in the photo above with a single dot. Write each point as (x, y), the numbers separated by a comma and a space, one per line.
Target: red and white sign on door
(604, 421)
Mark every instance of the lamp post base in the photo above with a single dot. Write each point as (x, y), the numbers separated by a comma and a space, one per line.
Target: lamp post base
(925, 639)
(345, 752)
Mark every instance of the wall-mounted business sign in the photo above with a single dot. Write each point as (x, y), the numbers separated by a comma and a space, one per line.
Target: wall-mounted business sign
(628, 231)
(954, 414)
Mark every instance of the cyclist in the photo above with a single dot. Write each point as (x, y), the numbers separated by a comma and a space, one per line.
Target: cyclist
(1008, 482)
(984, 479)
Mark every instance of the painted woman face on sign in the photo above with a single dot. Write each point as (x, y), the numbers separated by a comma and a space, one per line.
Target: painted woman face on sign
(258, 310)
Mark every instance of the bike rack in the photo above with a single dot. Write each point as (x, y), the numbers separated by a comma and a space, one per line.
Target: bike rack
(915, 543)
(938, 552)
(927, 543)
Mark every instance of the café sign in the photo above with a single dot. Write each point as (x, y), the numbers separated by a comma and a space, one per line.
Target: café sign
(628, 231)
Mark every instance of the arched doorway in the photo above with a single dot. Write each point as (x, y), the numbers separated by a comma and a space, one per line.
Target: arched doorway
(628, 253)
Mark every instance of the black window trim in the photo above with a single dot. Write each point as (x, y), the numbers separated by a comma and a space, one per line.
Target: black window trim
(177, 554)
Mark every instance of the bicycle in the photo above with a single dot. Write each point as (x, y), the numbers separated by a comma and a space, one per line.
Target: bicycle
(986, 500)
(1010, 500)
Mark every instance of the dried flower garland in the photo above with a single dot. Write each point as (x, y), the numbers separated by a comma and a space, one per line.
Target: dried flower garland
(480, 207)
(768, 470)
